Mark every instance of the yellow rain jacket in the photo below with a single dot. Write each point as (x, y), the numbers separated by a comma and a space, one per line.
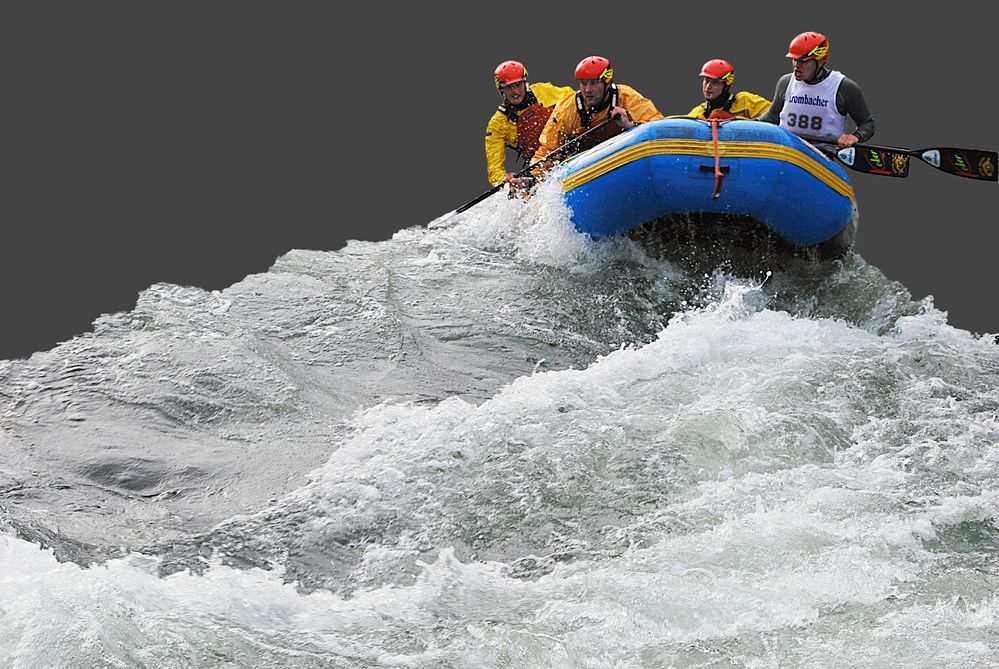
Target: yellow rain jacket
(564, 123)
(501, 132)
(745, 105)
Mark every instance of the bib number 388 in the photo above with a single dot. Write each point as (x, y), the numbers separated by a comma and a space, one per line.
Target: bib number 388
(804, 121)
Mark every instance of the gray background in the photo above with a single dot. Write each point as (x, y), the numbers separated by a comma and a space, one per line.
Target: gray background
(196, 142)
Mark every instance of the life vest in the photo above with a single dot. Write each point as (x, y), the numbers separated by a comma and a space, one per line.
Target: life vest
(586, 117)
(530, 123)
(530, 117)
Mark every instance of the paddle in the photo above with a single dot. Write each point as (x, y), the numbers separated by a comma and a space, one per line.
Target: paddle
(893, 161)
(527, 170)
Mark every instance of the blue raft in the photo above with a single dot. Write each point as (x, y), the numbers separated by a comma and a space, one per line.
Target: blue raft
(668, 167)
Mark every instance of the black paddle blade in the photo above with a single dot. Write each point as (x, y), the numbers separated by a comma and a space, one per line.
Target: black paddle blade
(968, 163)
(871, 160)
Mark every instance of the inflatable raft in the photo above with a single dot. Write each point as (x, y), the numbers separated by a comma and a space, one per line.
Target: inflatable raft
(735, 169)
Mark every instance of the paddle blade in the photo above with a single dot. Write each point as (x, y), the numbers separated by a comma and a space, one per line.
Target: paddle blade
(442, 219)
(968, 163)
(872, 160)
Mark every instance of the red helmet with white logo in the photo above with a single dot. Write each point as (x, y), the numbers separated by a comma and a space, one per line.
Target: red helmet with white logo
(809, 46)
(719, 69)
(595, 67)
(510, 71)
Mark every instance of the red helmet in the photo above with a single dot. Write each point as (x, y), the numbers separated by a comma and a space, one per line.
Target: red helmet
(719, 69)
(595, 67)
(809, 46)
(510, 71)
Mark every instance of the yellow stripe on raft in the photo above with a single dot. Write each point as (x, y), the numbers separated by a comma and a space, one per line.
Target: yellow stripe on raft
(697, 147)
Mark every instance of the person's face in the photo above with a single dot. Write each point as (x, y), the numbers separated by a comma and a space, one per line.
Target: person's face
(514, 92)
(711, 87)
(592, 90)
(804, 69)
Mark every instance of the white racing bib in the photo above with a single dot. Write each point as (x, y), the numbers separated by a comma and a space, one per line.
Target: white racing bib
(810, 111)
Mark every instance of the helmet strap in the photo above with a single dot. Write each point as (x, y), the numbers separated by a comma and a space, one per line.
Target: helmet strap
(820, 73)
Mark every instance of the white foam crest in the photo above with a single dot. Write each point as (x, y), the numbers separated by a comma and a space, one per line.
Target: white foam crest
(678, 591)
(708, 399)
(725, 391)
(955, 510)
(931, 325)
(949, 634)
(538, 230)
(702, 357)
(760, 571)
(769, 571)
(121, 612)
(942, 398)
(755, 568)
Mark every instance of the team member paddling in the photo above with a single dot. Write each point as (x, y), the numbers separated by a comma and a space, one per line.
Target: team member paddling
(598, 99)
(814, 102)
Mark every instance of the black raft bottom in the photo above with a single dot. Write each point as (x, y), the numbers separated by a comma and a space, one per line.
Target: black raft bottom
(725, 238)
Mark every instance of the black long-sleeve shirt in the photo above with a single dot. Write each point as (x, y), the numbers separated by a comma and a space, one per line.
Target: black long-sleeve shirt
(849, 102)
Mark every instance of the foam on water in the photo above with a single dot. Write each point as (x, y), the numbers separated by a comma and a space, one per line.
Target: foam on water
(529, 472)
(750, 488)
(537, 230)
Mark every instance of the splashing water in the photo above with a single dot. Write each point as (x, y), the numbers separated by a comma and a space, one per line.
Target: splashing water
(494, 442)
